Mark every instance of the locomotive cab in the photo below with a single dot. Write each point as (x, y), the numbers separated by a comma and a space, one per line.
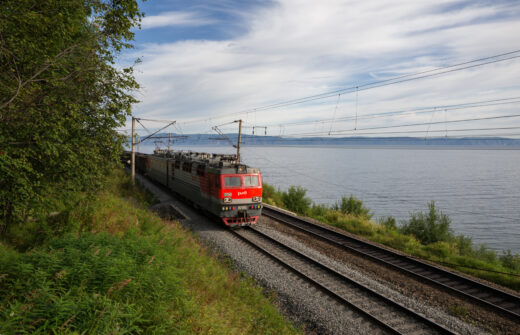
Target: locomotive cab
(241, 197)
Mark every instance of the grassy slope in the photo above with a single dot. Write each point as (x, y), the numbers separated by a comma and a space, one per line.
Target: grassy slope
(111, 266)
(457, 251)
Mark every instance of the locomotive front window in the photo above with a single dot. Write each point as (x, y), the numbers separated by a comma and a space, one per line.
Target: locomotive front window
(232, 181)
(250, 181)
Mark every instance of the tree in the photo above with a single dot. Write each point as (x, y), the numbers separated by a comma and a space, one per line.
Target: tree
(61, 97)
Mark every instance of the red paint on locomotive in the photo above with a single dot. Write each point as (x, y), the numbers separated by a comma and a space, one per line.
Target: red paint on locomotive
(242, 191)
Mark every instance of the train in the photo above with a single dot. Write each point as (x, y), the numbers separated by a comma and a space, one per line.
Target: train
(218, 184)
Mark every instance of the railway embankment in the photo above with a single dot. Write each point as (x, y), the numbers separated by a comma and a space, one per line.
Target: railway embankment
(302, 293)
(443, 289)
(425, 235)
(110, 265)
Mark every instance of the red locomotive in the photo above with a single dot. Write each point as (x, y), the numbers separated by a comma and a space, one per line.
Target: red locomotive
(216, 183)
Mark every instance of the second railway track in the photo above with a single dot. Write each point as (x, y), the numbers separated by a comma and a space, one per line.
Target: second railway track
(388, 315)
(498, 300)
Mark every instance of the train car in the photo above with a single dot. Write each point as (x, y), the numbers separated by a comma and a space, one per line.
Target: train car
(218, 184)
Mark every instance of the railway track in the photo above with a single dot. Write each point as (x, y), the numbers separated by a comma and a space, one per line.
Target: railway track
(499, 301)
(388, 315)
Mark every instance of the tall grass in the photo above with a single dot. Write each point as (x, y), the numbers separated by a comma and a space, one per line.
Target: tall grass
(114, 267)
(425, 234)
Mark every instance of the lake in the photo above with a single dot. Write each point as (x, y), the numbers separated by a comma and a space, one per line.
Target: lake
(478, 189)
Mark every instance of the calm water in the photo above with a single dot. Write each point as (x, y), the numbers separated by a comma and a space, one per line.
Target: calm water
(479, 189)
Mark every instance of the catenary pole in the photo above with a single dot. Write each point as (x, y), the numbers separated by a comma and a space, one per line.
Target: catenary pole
(239, 139)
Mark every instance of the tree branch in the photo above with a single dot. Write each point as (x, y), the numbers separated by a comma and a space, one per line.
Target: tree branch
(45, 66)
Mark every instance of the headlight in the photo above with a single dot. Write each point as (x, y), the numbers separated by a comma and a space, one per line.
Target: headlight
(257, 199)
(227, 200)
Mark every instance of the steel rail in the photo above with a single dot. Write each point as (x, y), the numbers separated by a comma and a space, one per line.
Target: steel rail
(496, 299)
(333, 273)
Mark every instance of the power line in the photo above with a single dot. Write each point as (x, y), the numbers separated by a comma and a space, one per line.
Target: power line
(391, 81)
(416, 138)
(339, 132)
(153, 120)
(437, 131)
(419, 110)
(382, 134)
(377, 84)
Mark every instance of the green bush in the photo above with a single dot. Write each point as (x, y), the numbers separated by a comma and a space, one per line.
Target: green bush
(509, 260)
(430, 227)
(319, 210)
(485, 254)
(295, 200)
(388, 222)
(353, 206)
(271, 195)
(439, 249)
(464, 245)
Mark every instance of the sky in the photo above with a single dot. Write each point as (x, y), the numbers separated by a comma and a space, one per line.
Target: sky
(208, 63)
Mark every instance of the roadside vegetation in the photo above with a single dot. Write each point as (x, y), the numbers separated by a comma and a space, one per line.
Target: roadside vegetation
(109, 266)
(427, 235)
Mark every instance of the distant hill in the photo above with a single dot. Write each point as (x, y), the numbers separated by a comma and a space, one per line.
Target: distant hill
(258, 140)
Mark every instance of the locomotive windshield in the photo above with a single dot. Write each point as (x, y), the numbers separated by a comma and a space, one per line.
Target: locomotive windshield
(250, 181)
(232, 181)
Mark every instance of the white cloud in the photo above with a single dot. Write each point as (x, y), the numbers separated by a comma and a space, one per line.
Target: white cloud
(299, 48)
(178, 18)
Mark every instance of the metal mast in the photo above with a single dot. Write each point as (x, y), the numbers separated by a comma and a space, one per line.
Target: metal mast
(239, 139)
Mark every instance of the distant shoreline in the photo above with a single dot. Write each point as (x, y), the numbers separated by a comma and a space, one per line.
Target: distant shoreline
(346, 146)
(406, 143)
(389, 146)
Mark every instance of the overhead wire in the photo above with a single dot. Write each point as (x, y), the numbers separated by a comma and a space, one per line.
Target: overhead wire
(391, 81)
(399, 113)
(359, 135)
(339, 132)
(418, 110)
(334, 115)
(376, 84)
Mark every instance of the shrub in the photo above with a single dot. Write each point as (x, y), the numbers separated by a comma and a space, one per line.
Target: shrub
(295, 200)
(388, 222)
(464, 245)
(439, 249)
(268, 191)
(271, 195)
(509, 260)
(319, 210)
(353, 206)
(332, 216)
(486, 255)
(430, 227)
